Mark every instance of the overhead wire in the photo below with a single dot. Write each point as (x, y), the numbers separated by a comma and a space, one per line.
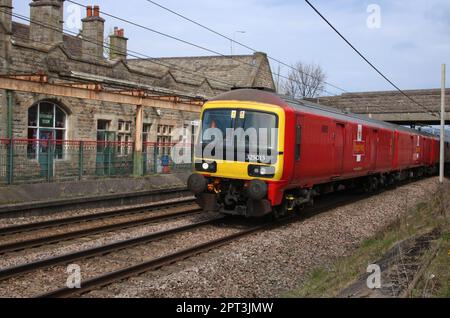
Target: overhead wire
(367, 60)
(239, 43)
(185, 41)
(132, 53)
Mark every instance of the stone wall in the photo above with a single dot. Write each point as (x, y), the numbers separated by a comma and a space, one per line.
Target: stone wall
(46, 13)
(29, 56)
(83, 115)
(63, 57)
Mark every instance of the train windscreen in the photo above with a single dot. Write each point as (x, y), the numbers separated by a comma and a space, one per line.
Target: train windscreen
(239, 135)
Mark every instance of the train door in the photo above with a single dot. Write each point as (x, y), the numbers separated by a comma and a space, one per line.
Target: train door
(426, 151)
(45, 152)
(412, 152)
(105, 148)
(339, 142)
(298, 147)
(418, 150)
(374, 150)
(395, 149)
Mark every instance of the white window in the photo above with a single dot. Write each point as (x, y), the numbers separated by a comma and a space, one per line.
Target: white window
(164, 139)
(46, 121)
(124, 138)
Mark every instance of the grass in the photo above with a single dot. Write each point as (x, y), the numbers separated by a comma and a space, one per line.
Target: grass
(328, 281)
(436, 280)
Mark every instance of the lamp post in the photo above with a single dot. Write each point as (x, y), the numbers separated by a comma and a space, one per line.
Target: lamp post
(234, 39)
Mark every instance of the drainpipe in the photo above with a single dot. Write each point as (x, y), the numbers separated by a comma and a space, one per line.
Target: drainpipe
(9, 114)
(9, 134)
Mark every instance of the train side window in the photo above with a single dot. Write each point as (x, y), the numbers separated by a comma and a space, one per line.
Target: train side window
(298, 139)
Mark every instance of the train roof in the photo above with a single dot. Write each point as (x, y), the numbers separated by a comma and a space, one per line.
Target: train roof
(265, 97)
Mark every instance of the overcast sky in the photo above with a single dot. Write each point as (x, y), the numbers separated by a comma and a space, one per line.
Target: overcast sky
(408, 44)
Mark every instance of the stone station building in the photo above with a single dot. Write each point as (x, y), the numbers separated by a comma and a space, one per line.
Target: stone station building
(40, 45)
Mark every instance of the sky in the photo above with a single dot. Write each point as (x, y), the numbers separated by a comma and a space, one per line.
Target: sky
(407, 40)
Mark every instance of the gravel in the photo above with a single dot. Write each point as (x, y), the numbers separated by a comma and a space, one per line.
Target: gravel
(266, 264)
(29, 255)
(51, 231)
(270, 263)
(4, 222)
(48, 279)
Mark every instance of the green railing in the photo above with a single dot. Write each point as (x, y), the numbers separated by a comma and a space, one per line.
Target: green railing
(32, 161)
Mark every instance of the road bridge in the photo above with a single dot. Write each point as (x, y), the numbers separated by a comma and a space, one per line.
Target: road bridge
(392, 106)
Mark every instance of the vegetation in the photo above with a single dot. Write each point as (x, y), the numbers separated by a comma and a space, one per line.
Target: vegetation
(304, 81)
(330, 280)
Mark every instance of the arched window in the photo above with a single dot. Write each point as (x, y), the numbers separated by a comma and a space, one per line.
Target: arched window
(46, 121)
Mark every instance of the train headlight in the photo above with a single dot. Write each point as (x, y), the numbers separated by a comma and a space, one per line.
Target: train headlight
(210, 166)
(261, 171)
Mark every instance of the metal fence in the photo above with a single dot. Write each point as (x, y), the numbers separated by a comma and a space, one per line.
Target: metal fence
(30, 161)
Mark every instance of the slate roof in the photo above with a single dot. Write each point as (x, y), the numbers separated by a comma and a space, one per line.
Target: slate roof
(239, 70)
(208, 74)
(72, 43)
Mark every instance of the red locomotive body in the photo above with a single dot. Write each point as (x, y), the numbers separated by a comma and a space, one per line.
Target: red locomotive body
(323, 149)
(337, 146)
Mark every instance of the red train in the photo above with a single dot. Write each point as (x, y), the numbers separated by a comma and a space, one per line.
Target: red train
(312, 150)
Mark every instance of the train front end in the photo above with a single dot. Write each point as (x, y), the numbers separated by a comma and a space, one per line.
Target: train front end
(239, 158)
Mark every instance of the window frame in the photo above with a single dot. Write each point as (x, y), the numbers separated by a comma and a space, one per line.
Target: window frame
(237, 119)
(123, 138)
(53, 128)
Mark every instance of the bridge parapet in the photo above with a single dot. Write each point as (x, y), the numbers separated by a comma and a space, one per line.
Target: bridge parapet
(392, 106)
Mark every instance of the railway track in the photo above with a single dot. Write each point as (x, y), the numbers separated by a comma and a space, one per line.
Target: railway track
(158, 262)
(136, 213)
(117, 274)
(127, 272)
(98, 201)
(101, 250)
(401, 266)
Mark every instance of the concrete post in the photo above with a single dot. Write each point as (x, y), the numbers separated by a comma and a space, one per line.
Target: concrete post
(442, 152)
(138, 165)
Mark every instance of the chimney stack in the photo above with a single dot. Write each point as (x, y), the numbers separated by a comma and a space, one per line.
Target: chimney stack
(46, 24)
(92, 33)
(5, 32)
(5, 15)
(118, 45)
